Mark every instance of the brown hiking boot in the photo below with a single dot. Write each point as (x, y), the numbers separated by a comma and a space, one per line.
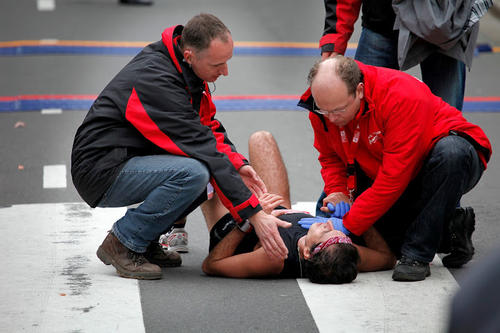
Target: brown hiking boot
(128, 263)
(155, 254)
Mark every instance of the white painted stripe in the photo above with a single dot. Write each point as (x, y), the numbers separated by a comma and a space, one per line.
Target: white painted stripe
(46, 5)
(54, 176)
(307, 206)
(53, 281)
(376, 303)
(51, 111)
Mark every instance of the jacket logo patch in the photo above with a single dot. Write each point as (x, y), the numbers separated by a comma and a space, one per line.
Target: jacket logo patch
(373, 137)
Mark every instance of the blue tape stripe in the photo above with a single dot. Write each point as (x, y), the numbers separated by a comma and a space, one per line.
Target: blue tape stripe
(222, 105)
(133, 50)
(60, 49)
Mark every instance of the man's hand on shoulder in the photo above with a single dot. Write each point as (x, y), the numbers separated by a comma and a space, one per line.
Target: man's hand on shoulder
(266, 227)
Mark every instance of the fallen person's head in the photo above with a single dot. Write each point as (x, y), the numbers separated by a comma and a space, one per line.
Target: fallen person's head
(329, 255)
(336, 264)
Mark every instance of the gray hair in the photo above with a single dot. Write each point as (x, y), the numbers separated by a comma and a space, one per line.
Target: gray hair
(345, 68)
(199, 32)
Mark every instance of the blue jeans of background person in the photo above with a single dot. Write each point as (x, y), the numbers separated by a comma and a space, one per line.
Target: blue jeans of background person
(169, 187)
(445, 76)
(414, 225)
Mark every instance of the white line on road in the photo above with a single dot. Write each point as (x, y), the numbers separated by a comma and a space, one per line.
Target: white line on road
(54, 176)
(46, 5)
(376, 303)
(53, 281)
(51, 111)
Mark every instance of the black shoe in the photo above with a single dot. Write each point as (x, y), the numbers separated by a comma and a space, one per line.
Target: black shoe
(137, 2)
(156, 255)
(461, 228)
(411, 270)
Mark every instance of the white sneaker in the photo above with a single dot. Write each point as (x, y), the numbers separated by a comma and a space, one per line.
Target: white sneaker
(175, 240)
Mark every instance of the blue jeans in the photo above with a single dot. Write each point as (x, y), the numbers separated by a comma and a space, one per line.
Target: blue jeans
(169, 187)
(415, 224)
(444, 75)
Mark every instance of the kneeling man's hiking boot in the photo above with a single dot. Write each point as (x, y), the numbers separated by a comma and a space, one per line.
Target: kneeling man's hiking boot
(155, 254)
(411, 270)
(128, 263)
(461, 228)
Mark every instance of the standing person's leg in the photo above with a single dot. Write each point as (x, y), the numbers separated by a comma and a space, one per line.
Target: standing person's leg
(168, 186)
(445, 76)
(377, 50)
(452, 169)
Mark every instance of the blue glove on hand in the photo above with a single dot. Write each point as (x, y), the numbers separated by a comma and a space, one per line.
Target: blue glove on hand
(306, 223)
(339, 210)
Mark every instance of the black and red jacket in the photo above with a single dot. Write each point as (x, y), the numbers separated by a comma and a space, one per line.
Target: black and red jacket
(341, 15)
(157, 105)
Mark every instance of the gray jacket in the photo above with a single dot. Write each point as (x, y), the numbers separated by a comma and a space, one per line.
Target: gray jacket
(429, 26)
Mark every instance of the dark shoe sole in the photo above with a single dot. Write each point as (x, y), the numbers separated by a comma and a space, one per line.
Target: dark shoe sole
(165, 263)
(462, 253)
(455, 260)
(108, 260)
(409, 277)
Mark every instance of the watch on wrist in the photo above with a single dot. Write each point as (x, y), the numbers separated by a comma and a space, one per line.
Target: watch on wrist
(245, 226)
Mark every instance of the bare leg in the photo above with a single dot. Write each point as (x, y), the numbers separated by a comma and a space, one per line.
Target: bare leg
(265, 158)
(213, 210)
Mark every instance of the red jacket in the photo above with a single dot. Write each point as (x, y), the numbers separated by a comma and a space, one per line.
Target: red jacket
(400, 121)
(157, 105)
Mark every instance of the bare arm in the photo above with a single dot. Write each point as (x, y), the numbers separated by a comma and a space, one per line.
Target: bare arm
(221, 260)
(376, 255)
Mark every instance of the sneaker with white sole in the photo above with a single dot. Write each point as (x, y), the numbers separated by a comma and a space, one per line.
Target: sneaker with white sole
(175, 240)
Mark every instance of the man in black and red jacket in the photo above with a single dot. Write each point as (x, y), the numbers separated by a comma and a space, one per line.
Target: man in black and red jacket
(151, 137)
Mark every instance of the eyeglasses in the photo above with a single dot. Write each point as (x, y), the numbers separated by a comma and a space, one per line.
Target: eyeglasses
(335, 112)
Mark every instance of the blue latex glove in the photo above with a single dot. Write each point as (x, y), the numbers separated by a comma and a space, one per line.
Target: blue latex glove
(306, 223)
(339, 210)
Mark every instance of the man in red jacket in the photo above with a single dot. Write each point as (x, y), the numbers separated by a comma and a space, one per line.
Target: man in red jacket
(151, 137)
(400, 155)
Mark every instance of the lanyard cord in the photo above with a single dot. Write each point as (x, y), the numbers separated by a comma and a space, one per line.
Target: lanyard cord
(350, 149)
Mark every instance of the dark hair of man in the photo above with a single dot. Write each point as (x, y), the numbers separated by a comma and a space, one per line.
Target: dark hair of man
(201, 30)
(345, 68)
(336, 264)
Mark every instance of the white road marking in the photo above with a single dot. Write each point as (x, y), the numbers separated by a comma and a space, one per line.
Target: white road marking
(52, 280)
(376, 303)
(307, 206)
(54, 176)
(51, 111)
(46, 5)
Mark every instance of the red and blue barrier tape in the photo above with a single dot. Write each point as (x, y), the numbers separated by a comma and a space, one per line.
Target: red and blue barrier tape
(52, 46)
